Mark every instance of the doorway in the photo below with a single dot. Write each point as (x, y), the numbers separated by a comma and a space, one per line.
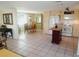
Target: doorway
(38, 19)
(34, 23)
(21, 21)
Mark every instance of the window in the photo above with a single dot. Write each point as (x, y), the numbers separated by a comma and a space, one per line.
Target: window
(38, 18)
(22, 19)
(53, 20)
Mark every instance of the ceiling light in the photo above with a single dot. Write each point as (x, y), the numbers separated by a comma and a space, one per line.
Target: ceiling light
(66, 17)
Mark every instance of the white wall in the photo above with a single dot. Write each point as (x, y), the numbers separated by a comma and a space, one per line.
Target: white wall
(45, 22)
(14, 26)
(1, 20)
(46, 17)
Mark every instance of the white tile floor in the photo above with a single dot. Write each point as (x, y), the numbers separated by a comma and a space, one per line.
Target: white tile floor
(39, 45)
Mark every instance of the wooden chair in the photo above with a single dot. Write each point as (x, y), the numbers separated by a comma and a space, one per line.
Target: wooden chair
(5, 31)
(3, 42)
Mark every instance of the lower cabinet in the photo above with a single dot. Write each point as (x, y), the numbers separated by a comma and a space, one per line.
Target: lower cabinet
(56, 36)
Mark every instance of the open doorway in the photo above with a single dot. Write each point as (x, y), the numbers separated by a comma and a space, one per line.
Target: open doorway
(34, 23)
(21, 21)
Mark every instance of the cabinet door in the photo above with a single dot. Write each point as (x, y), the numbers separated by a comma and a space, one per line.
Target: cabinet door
(56, 37)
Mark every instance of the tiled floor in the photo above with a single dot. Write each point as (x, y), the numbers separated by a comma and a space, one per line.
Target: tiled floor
(39, 45)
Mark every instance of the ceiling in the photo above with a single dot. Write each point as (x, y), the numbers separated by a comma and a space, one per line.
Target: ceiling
(38, 5)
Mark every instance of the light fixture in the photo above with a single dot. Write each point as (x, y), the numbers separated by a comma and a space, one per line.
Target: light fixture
(66, 17)
(68, 11)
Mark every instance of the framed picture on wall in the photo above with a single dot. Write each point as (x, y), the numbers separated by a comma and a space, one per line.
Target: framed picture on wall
(8, 18)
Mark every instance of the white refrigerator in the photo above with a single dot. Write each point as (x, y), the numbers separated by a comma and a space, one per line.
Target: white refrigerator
(67, 29)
